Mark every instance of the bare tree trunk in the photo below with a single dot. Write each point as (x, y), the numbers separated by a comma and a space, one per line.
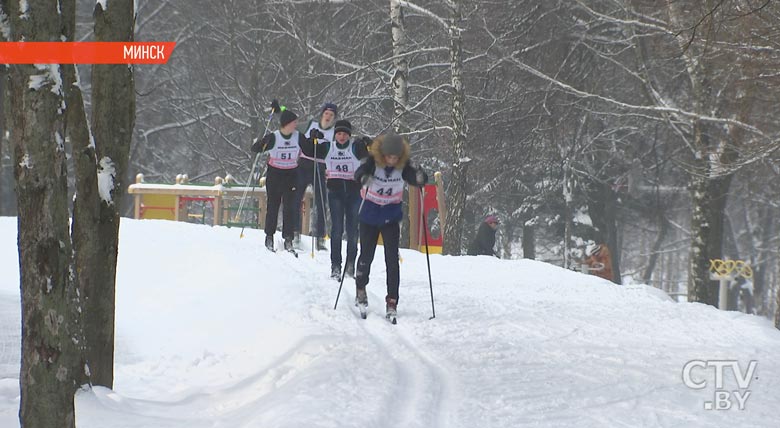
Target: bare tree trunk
(113, 100)
(509, 237)
(50, 361)
(3, 112)
(761, 264)
(453, 233)
(529, 241)
(663, 228)
(3, 128)
(86, 202)
(401, 64)
(602, 207)
(400, 84)
(777, 296)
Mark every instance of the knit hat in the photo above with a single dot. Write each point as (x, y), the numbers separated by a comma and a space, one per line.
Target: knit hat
(343, 126)
(392, 145)
(492, 219)
(332, 107)
(287, 117)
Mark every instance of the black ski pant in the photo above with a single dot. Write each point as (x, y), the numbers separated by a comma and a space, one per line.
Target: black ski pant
(307, 177)
(344, 207)
(280, 185)
(369, 235)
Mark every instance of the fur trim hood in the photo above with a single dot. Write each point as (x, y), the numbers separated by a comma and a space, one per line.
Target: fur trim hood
(379, 157)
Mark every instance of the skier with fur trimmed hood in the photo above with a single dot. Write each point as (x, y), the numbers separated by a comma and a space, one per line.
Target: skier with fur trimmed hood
(383, 176)
(342, 158)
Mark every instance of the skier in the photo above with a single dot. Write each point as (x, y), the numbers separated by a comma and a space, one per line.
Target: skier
(308, 176)
(483, 243)
(382, 176)
(342, 158)
(281, 178)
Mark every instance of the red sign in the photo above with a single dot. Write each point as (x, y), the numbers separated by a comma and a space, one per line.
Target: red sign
(85, 52)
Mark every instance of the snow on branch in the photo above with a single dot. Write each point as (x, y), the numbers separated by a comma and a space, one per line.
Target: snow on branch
(654, 109)
(424, 11)
(174, 125)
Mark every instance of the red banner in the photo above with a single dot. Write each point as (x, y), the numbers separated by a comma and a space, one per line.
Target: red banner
(85, 52)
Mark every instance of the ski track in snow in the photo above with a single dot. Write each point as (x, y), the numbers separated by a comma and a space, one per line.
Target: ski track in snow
(417, 398)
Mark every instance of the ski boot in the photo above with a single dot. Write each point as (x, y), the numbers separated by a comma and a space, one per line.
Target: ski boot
(361, 301)
(391, 309)
(288, 246)
(297, 240)
(335, 271)
(349, 269)
(321, 244)
(269, 242)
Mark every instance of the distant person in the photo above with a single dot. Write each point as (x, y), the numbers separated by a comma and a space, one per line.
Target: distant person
(342, 158)
(483, 243)
(311, 171)
(383, 176)
(599, 261)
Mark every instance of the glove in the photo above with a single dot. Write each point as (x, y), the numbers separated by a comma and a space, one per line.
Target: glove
(367, 140)
(260, 145)
(316, 133)
(275, 108)
(421, 177)
(364, 179)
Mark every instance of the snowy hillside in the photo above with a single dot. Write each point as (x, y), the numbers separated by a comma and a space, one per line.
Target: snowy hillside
(214, 331)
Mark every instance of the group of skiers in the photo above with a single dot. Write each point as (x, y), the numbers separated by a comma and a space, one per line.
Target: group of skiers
(364, 179)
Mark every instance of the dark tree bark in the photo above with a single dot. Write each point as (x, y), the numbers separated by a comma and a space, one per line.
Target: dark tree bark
(86, 203)
(602, 207)
(663, 229)
(509, 237)
(3, 128)
(3, 120)
(761, 262)
(529, 241)
(51, 363)
(113, 101)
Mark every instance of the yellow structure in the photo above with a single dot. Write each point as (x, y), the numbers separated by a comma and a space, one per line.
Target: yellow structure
(171, 201)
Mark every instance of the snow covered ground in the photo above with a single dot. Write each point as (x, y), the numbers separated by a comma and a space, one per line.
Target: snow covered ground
(214, 331)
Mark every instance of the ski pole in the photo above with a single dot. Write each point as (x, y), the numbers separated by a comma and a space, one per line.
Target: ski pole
(341, 284)
(365, 189)
(274, 108)
(427, 253)
(314, 191)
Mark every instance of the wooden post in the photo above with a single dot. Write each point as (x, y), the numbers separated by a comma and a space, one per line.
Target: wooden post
(139, 178)
(218, 203)
(441, 200)
(414, 218)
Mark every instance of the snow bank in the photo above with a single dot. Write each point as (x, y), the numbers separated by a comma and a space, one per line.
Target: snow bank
(214, 331)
